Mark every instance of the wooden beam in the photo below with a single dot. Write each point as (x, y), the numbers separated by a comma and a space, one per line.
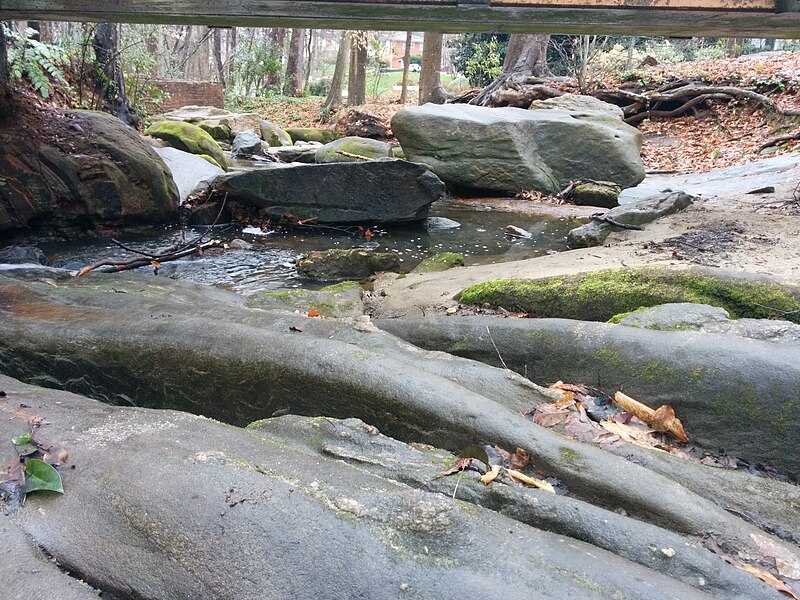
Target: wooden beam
(426, 15)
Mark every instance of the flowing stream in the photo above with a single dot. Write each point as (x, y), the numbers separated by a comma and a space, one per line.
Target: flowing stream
(269, 264)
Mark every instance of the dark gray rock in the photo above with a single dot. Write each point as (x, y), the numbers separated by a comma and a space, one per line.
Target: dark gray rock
(96, 172)
(371, 192)
(353, 149)
(637, 212)
(731, 393)
(22, 255)
(246, 144)
(187, 507)
(306, 153)
(511, 149)
(338, 265)
(191, 173)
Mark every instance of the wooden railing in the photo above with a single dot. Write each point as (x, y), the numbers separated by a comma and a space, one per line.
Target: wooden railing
(718, 18)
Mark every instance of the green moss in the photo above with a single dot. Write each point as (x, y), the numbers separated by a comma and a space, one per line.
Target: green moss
(440, 262)
(568, 454)
(341, 287)
(401, 276)
(611, 294)
(459, 346)
(189, 138)
(608, 356)
(698, 373)
(210, 159)
(312, 134)
(658, 372)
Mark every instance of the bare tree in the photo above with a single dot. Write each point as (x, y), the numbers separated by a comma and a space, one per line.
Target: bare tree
(357, 83)
(293, 83)
(526, 56)
(430, 87)
(334, 100)
(277, 37)
(406, 65)
(217, 38)
(110, 82)
(5, 95)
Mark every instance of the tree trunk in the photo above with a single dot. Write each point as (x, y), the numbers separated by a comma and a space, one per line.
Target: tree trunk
(429, 84)
(4, 91)
(406, 65)
(357, 84)
(293, 83)
(309, 57)
(277, 37)
(110, 81)
(217, 37)
(526, 56)
(334, 100)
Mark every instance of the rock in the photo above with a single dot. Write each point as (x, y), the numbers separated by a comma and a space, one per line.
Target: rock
(336, 265)
(511, 149)
(355, 122)
(213, 117)
(22, 255)
(220, 131)
(637, 212)
(352, 149)
(226, 502)
(239, 244)
(441, 224)
(440, 262)
(730, 392)
(289, 154)
(134, 339)
(311, 134)
(518, 232)
(246, 144)
(192, 173)
(273, 135)
(189, 138)
(579, 105)
(104, 174)
(372, 192)
(710, 319)
(600, 295)
(604, 194)
(341, 300)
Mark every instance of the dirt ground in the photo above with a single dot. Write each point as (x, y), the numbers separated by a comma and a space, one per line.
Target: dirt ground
(754, 233)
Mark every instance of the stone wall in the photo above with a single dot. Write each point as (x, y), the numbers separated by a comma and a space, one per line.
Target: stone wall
(186, 93)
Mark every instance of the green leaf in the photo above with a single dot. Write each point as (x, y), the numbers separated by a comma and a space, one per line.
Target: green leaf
(21, 440)
(41, 476)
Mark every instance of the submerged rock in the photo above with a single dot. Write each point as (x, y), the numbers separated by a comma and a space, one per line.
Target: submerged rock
(96, 172)
(335, 265)
(338, 301)
(371, 192)
(511, 149)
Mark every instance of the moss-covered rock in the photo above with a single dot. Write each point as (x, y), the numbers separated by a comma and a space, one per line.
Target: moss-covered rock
(274, 135)
(596, 193)
(338, 300)
(335, 265)
(440, 262)
(219, 130)
(353, 149)
(210, 159)
(599, 295)
(189, 138)
(312, 134)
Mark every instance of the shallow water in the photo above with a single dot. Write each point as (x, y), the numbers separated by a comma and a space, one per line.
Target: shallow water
(269, 265)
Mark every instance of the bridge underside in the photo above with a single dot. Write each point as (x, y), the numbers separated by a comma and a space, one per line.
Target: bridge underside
(680, 18)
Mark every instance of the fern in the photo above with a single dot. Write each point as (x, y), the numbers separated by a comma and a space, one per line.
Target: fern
(41, 64)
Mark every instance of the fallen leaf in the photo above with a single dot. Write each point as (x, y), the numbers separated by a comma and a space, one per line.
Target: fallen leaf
(767, 578)
(532, 481)
(39, 476)
(788, 562)
(313, 313)
(520, 459)
(491, 475)
(550, 419)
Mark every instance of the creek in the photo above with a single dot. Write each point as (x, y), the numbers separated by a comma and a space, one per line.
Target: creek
(269, 264)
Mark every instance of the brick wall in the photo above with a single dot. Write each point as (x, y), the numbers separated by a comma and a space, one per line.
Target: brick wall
(186, 93)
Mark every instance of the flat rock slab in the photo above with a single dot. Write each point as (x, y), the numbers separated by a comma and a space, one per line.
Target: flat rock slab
(190, 172)
(163, 504)
(391, 191)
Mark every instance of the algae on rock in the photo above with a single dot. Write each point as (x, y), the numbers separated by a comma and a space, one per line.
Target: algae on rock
(440, 262)
(189, 138)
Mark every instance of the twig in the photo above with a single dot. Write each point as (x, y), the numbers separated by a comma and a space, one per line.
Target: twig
(135, 263)
(602, 219)
(496, 350)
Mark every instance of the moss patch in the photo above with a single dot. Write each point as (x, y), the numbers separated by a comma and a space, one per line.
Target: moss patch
(312, 134)
(189, 138)
(612, 293)
(440, 262)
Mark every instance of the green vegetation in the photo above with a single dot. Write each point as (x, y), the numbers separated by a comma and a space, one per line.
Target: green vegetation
(608, 294)
(189, 138)
(440, 262)
(40, 64)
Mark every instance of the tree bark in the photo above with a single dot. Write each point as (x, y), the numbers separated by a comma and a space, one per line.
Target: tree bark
(293, 83)
(310, 39)
(406, 65)
(230, 53)
(277, 37)
(217, 38)
(5, 95)
(526, 56)
(429, 83)
(357, 84)
(110, 81)
(334, 100)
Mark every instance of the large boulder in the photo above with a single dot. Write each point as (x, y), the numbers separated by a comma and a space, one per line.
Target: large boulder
(191, 173)
(214, 119)
(133, 340)
(370, 192)
(72, 172)
(322, 135)
(353, 149)
(273, 135)
(168, 505)
(189, 138)
(511, 149)
(247, 144)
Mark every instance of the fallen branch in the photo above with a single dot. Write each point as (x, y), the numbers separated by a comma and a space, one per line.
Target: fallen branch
(135, 263)
(779, 140)
(351, 155)
(603, 219)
